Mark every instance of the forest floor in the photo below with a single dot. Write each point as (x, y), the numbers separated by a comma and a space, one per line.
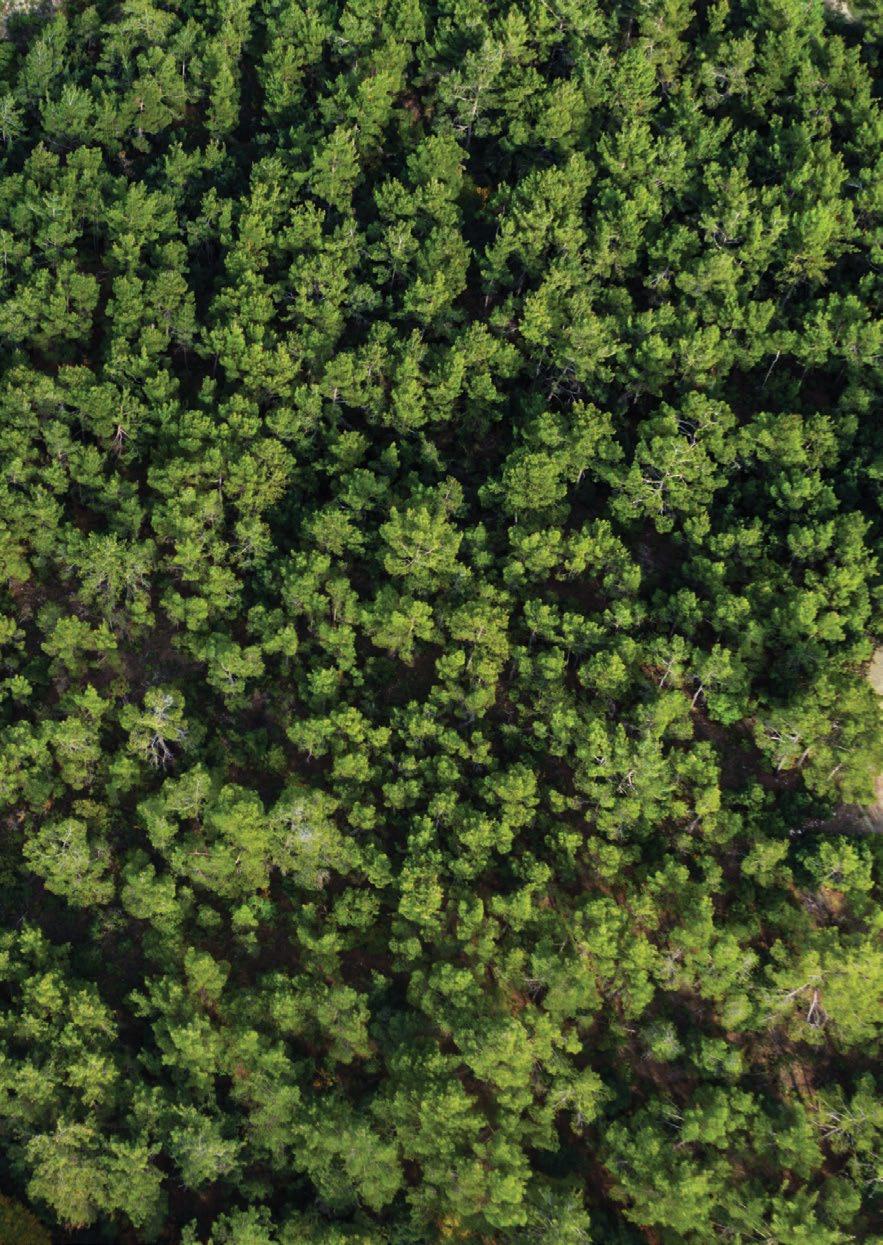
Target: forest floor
(841, 9)
(9, 8)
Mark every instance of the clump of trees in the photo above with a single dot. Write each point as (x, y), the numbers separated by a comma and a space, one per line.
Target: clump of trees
(439, 494)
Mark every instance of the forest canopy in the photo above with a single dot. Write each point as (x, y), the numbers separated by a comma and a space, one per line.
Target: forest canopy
(440, 468)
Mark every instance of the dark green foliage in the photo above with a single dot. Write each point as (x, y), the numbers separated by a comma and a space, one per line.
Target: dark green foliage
(439, 493)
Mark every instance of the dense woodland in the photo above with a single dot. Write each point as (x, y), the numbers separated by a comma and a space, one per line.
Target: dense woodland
(439, 513)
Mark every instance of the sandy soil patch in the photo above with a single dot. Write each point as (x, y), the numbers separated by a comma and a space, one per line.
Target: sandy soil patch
(9, 8)
(840, 9)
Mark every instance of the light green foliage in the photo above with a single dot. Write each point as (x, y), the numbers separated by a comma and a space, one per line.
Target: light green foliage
(71, 862)
(439, 503)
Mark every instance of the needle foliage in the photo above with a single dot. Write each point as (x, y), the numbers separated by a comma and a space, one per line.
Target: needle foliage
(439, 512)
